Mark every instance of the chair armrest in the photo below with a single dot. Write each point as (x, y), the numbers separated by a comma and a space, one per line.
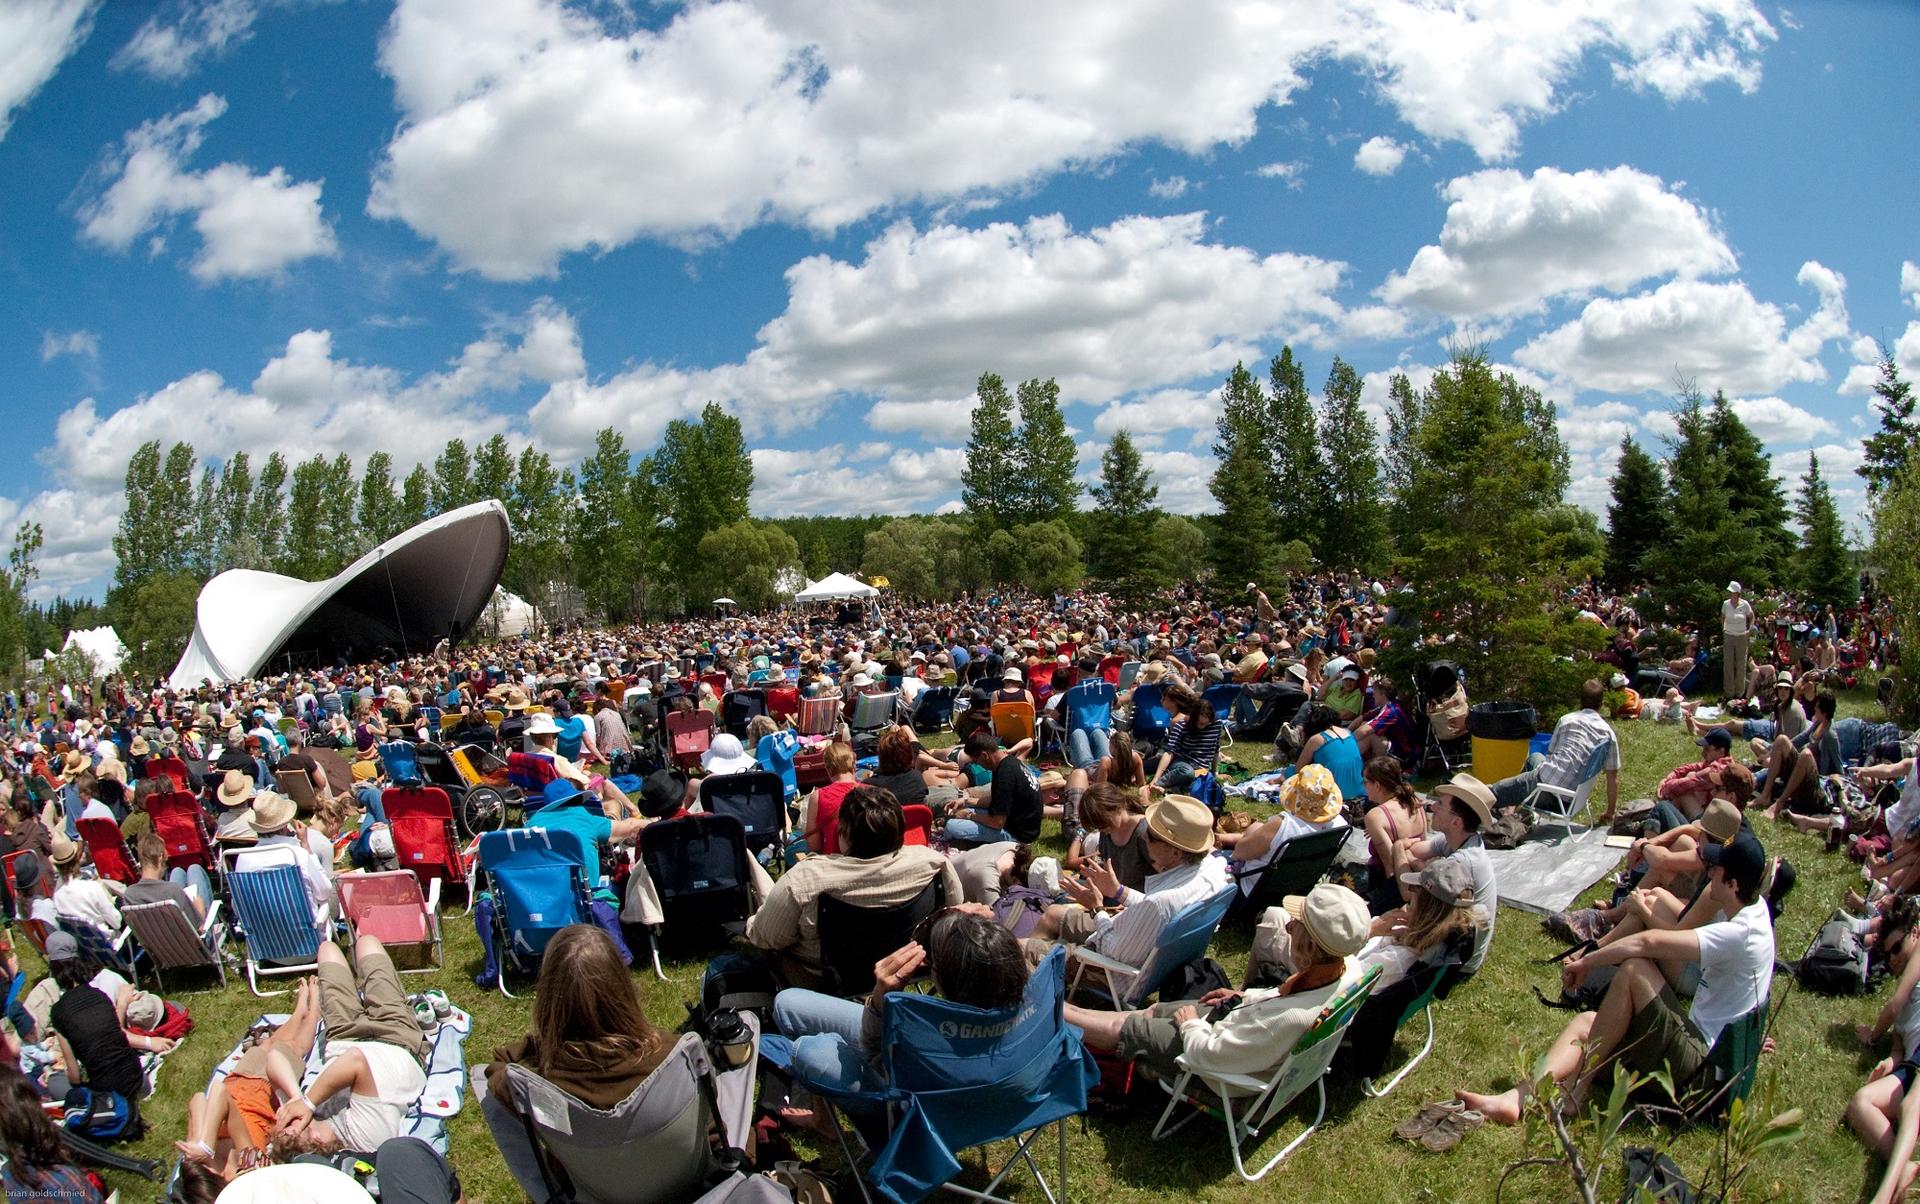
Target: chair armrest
(213, 918)
(1244, 1082)
(433, 900)
(1100, 960)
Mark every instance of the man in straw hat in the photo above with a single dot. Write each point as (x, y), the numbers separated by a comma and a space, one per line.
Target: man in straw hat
(277, 844)
(1231, 1032)
(1461, 808)
(1179, 847)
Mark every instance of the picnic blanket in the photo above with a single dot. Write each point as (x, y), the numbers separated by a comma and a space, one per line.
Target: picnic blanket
(1547, 871)
(1260, 788)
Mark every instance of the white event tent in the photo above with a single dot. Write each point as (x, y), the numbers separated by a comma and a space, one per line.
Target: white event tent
(835, 587)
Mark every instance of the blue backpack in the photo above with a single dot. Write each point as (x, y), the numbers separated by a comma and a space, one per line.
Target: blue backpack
(99, 1115)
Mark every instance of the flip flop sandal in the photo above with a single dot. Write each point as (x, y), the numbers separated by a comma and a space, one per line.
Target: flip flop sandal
(1450, 1130)
(1426, 1119)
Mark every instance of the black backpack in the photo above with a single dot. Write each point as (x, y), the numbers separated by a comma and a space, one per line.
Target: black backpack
(1836, 962)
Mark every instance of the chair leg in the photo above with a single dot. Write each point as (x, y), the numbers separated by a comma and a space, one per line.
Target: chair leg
(1367, 1086)
(1320, 1114)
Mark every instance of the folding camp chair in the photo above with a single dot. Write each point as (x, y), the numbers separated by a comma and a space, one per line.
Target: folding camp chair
(425, 840)
(689, 735)
(114, 950)
(1300, 864)
(819, 719)
(1569, 801)
(181, 822)
(650, 1148)
(1727, 1074)
(275, 919)
(872, 714)
(1150, 719)
(698, 867)
(933, 710)
(1183, 938)
(1385, 1014)
(783, 702)
(538, 880)
(959, 1078)
(1088, 706)
(43, 887)
(399, 762)
(296, 785)
(757, 800)
(1263, 1098)
(170, 940)
(171, 768)
(741, 707)
(389, 907)
(1012, 721)
(1222, 698)
(112, 856)
(852, 938)
(531, 772)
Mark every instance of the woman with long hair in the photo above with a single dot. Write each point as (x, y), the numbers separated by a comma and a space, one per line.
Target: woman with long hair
(36, 1166)
(1193, 741)
(1396, 813)
(1327, 741)
(1123, 766)
(590, 1036)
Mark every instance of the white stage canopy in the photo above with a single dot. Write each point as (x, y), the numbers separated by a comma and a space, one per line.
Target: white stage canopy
(835, 586)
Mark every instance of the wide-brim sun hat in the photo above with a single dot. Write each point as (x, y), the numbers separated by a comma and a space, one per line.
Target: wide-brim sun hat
(1183, 822)
(726, 755)
(1312, 795)
(1471, 793)
(271, 812)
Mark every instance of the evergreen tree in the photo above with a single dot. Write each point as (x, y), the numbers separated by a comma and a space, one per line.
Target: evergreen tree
(1353, 519)
(1636, 515)
(1894, 446)
(1825, 572)
(1242, 480)
(492, 470)
(452, 477)
(1045, 459)
(1896, 533)
(989, 484)
(1299, 471)
(1754, 495)
(1124, 514)
(267, 512)
(1707, 545)
(379, 513)
(704, 479)
(416, 498)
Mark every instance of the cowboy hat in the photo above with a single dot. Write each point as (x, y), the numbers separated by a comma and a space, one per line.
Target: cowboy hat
(271, 812)
(1470, 792)
(236, 789)
(63, 851)
(1312, 796)
(1183, 822)
(1051, 780)
(74, 764)
(514, 699)
(139, 747)
(1333, 916)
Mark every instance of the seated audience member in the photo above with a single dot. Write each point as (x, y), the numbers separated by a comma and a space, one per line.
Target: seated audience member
(1640, 1023)
(234, 822)
(276, 843)
(1310, 802)
(31, 898)
(990, 870)
(189, 887)
(1461, 807)
(1797, 770)
(1327, 742)
(973, 961)
(820, 810)
(36, 1164)
(95, 1046)
(24, 828)
(1114, 833)
(1008, 807)
(1665, 871)
(1575, 738)
(1179, 833)
(543, 737)
(1397, 813)
(1884, 1113)
(1434, 928)
(374, 1060)
(1388, 730)
(1685, 792)
(875, 868)
(299, 758)
(76, 897)
(1192, 745)
(1251, 1032)
(1785, 717)
(230, 1124)
(1123, 766)
(898, 769)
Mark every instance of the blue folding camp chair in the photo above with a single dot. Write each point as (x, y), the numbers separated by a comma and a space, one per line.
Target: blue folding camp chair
(1184, 937)
(400, 763)
(933, 710)
(1150, 717)
(1222, 698)
(538, 880)
(960, 1077)
(275, 919)
(1089, 706)
(114, 950)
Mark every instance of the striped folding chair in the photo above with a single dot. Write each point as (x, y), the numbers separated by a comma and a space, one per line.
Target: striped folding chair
(275, 919)
(114, 950)
(169, 940)
(389, 906)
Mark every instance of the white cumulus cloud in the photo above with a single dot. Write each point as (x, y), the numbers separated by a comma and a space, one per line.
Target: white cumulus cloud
(250, 226)
(1379, 156)
(836, 480)
(1777, 421)
(36, 36)
(170, 46)
(1170, 189)
(81, 344)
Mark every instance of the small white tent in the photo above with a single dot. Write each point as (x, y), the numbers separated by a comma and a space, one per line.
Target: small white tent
(509, 613)
(834, 587)
(103, 644)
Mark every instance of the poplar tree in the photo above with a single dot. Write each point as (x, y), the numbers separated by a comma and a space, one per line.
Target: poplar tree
(452, 477)
(1045, 460)
(988, 483)
(1299, 471)
(379, 513)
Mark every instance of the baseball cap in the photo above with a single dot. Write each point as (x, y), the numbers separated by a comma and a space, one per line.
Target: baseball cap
(1743, 861)
(1716, 737)
(61, 947)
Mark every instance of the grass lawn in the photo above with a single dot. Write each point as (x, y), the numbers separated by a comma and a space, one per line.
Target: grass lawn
(1486, 1031)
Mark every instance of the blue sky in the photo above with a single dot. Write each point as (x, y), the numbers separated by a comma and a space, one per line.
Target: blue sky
(286, 224)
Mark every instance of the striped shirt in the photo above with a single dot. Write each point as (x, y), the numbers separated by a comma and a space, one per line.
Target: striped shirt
(1131, 935)
(1196, 746)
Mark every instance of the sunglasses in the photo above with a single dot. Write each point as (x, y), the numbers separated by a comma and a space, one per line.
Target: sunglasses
(923, 931)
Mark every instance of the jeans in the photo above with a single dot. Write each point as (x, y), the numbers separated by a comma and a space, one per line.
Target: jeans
(1086, 746)
(1511, 792)
(1179, 777)
(971, 831)
(410, 1172)
(484, 907)
(825, 1032)
(193, 879)
(369, 797)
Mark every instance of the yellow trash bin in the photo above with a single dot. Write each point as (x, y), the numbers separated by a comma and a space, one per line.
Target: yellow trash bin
(1502, 733)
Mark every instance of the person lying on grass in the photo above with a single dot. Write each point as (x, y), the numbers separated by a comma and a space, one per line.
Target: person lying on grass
(230, 1124)
(1640, 1023)
(1885, 1113)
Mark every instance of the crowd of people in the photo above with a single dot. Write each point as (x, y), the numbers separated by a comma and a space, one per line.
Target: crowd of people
(1683, 950)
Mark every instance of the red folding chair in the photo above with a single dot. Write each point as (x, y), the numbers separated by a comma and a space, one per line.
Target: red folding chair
(172, 768)
(918, 818)
(389, 907)
(425, 839)
(181, 823)
(112, 855)
(783, 702)
(719, 681)
(689, 734)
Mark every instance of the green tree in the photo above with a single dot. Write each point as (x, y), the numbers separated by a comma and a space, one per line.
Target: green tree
(1242, 480)
(1403, 428)
(1045, 461)
(907, 553)
(340, 534)
(1891, 448)
(1754, 495)
(203, 550)
(155, 619)
(379, 514)
(1123, 514)
(705, 478)
(537, 507)
(1353, 518)
(1176, 550)
(1049, 556)
(305, 554)
(746, 560)
(173, 514)
(990, 484)
(16, 579)
(452, 477)
(267, 512)
(603, 543)
(416, 498)
(137, 551)
(1707, 544)
(1298, 471)
(493, 470)
(239, 544)
(1636, 513)
(1825, 568)
(1896, 533)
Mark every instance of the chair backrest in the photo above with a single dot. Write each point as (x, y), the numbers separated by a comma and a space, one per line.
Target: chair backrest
(874, 711)
(179, 821)
(1183, 938)
(43, 886)
(1221, 698)
(272, 909)
(852, 938)
(757, 800)
(690, 731)
(531, 771)
(539, 884)
(819, 716)
(1313, 1053)
(172, 768)
(917, 821)
(742, 707)
(1150, 717)
(1012, 721)
(933, 710)
(296, 785)
(399, 762)
(111, 854)
(719, 681)
(1733, 1060)
(1370, 1042)
(698, 864)
(96, 944)
(650, 1148)
(1301, 863)
(168, 936)
(1089, 706)
(386, 905)
(424, 838)
(783, 701)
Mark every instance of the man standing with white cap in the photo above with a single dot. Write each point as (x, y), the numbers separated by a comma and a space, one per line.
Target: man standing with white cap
(1736, 627)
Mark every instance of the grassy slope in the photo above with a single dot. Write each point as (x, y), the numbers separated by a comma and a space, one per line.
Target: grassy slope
(1483, 1033)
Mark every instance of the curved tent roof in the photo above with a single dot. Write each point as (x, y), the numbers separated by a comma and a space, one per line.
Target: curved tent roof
(427, 583)
(835, 585)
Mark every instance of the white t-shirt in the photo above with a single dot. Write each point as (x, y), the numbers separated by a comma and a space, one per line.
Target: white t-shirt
(1736, 969)
(294, 1183)
(363, 1122)
(1736, 615)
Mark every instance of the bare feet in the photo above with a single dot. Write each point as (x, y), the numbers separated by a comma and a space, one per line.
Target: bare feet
(1905, 1185)
(194, 1151)
(811, 1119)
(1501, 1109)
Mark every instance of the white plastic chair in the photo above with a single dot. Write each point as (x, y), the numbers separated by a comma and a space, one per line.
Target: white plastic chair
(1568, 801)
